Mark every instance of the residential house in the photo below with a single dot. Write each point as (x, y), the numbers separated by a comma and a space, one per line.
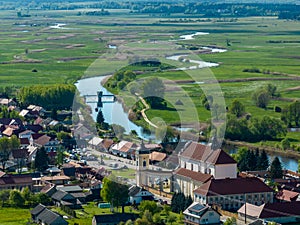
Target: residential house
(199, 163)
(100, 144)
(113, 219)
(123, 148)
(67, 199)
(137, 194)
(20, 157)
(197, 213)
(49, 189)
(10, 181)
(68, 170)
(24, 142)
(231, 194)
(58, 180)
(279, 212)
(42, 140)
(26, 134)
(7, 102)
(40, 214)
(75, 190)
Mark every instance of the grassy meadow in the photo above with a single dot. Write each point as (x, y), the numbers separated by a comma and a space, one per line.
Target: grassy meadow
(33, 52)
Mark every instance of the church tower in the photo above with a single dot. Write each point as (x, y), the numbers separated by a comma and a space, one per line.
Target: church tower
(142, 164)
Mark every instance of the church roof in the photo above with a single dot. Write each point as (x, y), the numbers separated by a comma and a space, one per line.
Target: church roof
(200, 152)
(228, 186)
(198, 176)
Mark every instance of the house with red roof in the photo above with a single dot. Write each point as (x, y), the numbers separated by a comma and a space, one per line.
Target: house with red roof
(279, 212)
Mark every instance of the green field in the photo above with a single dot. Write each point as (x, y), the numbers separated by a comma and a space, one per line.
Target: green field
(13, 216)
(34, 53)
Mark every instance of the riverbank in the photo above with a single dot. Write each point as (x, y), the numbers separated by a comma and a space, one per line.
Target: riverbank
(286, 153)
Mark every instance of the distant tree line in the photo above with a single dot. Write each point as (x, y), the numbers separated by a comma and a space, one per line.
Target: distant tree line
(58, 96)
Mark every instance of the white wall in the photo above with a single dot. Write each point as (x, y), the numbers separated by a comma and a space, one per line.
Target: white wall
(225, 170)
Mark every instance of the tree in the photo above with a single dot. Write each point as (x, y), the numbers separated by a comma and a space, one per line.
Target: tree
(151, 206)
(100, 117)
(276, 169)
(41, 160)
(167, 209)
(285, 144)
(153, 92)
(42, 198)
(16, 199)
(299, 166)
(172, 218)
(263, 161)
(237, 108)
(4, 196)
(157, 218)
(114, 192)
(6, 146)
(230, 221)
(188, 202)
(271, 89)
(261, 97)
(291, 114)
(54, 114)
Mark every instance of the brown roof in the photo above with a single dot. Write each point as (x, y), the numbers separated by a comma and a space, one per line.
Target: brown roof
(107, 143)
(55, 178)
(287, 195)
(233, 186)
(271, 210)
(24, 141)
(9, 131)
(198, 176)
(41, 139)
(15, 179)
(200, 152)
(157, 156)
(20, 153)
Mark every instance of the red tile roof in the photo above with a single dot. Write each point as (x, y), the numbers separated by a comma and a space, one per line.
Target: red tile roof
(200, 152)
(198, 176)
(287, 195)
(233, 186)
(272, 210)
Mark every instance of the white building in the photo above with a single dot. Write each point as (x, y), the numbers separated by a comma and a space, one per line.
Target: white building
(200, 214)
(199, 163)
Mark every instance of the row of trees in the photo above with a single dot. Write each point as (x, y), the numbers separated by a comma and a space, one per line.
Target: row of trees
(254, 161)
(254, 129)
(24, 198)
(250, 160)
(119, 80)
(58, 96)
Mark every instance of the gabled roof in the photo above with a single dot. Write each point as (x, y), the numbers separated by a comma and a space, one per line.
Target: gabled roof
(231, 186)
(198, 176)
(69, 189)
(49, 217)
(48, 188)
(20, 153)
(96, 141)
(40, 139)
(123, 146)
(157, 156)
(37, 210)
(204, 153)
(34, 127)
(287, 195)
(15, 179)
(197, 210)
(271, 210)
(24, 141)
(133, 190)
(61, 195)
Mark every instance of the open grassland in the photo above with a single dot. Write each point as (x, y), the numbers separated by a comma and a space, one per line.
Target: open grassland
(14, 216)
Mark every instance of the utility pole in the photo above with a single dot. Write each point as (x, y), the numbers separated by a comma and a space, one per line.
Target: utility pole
(245, 208)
